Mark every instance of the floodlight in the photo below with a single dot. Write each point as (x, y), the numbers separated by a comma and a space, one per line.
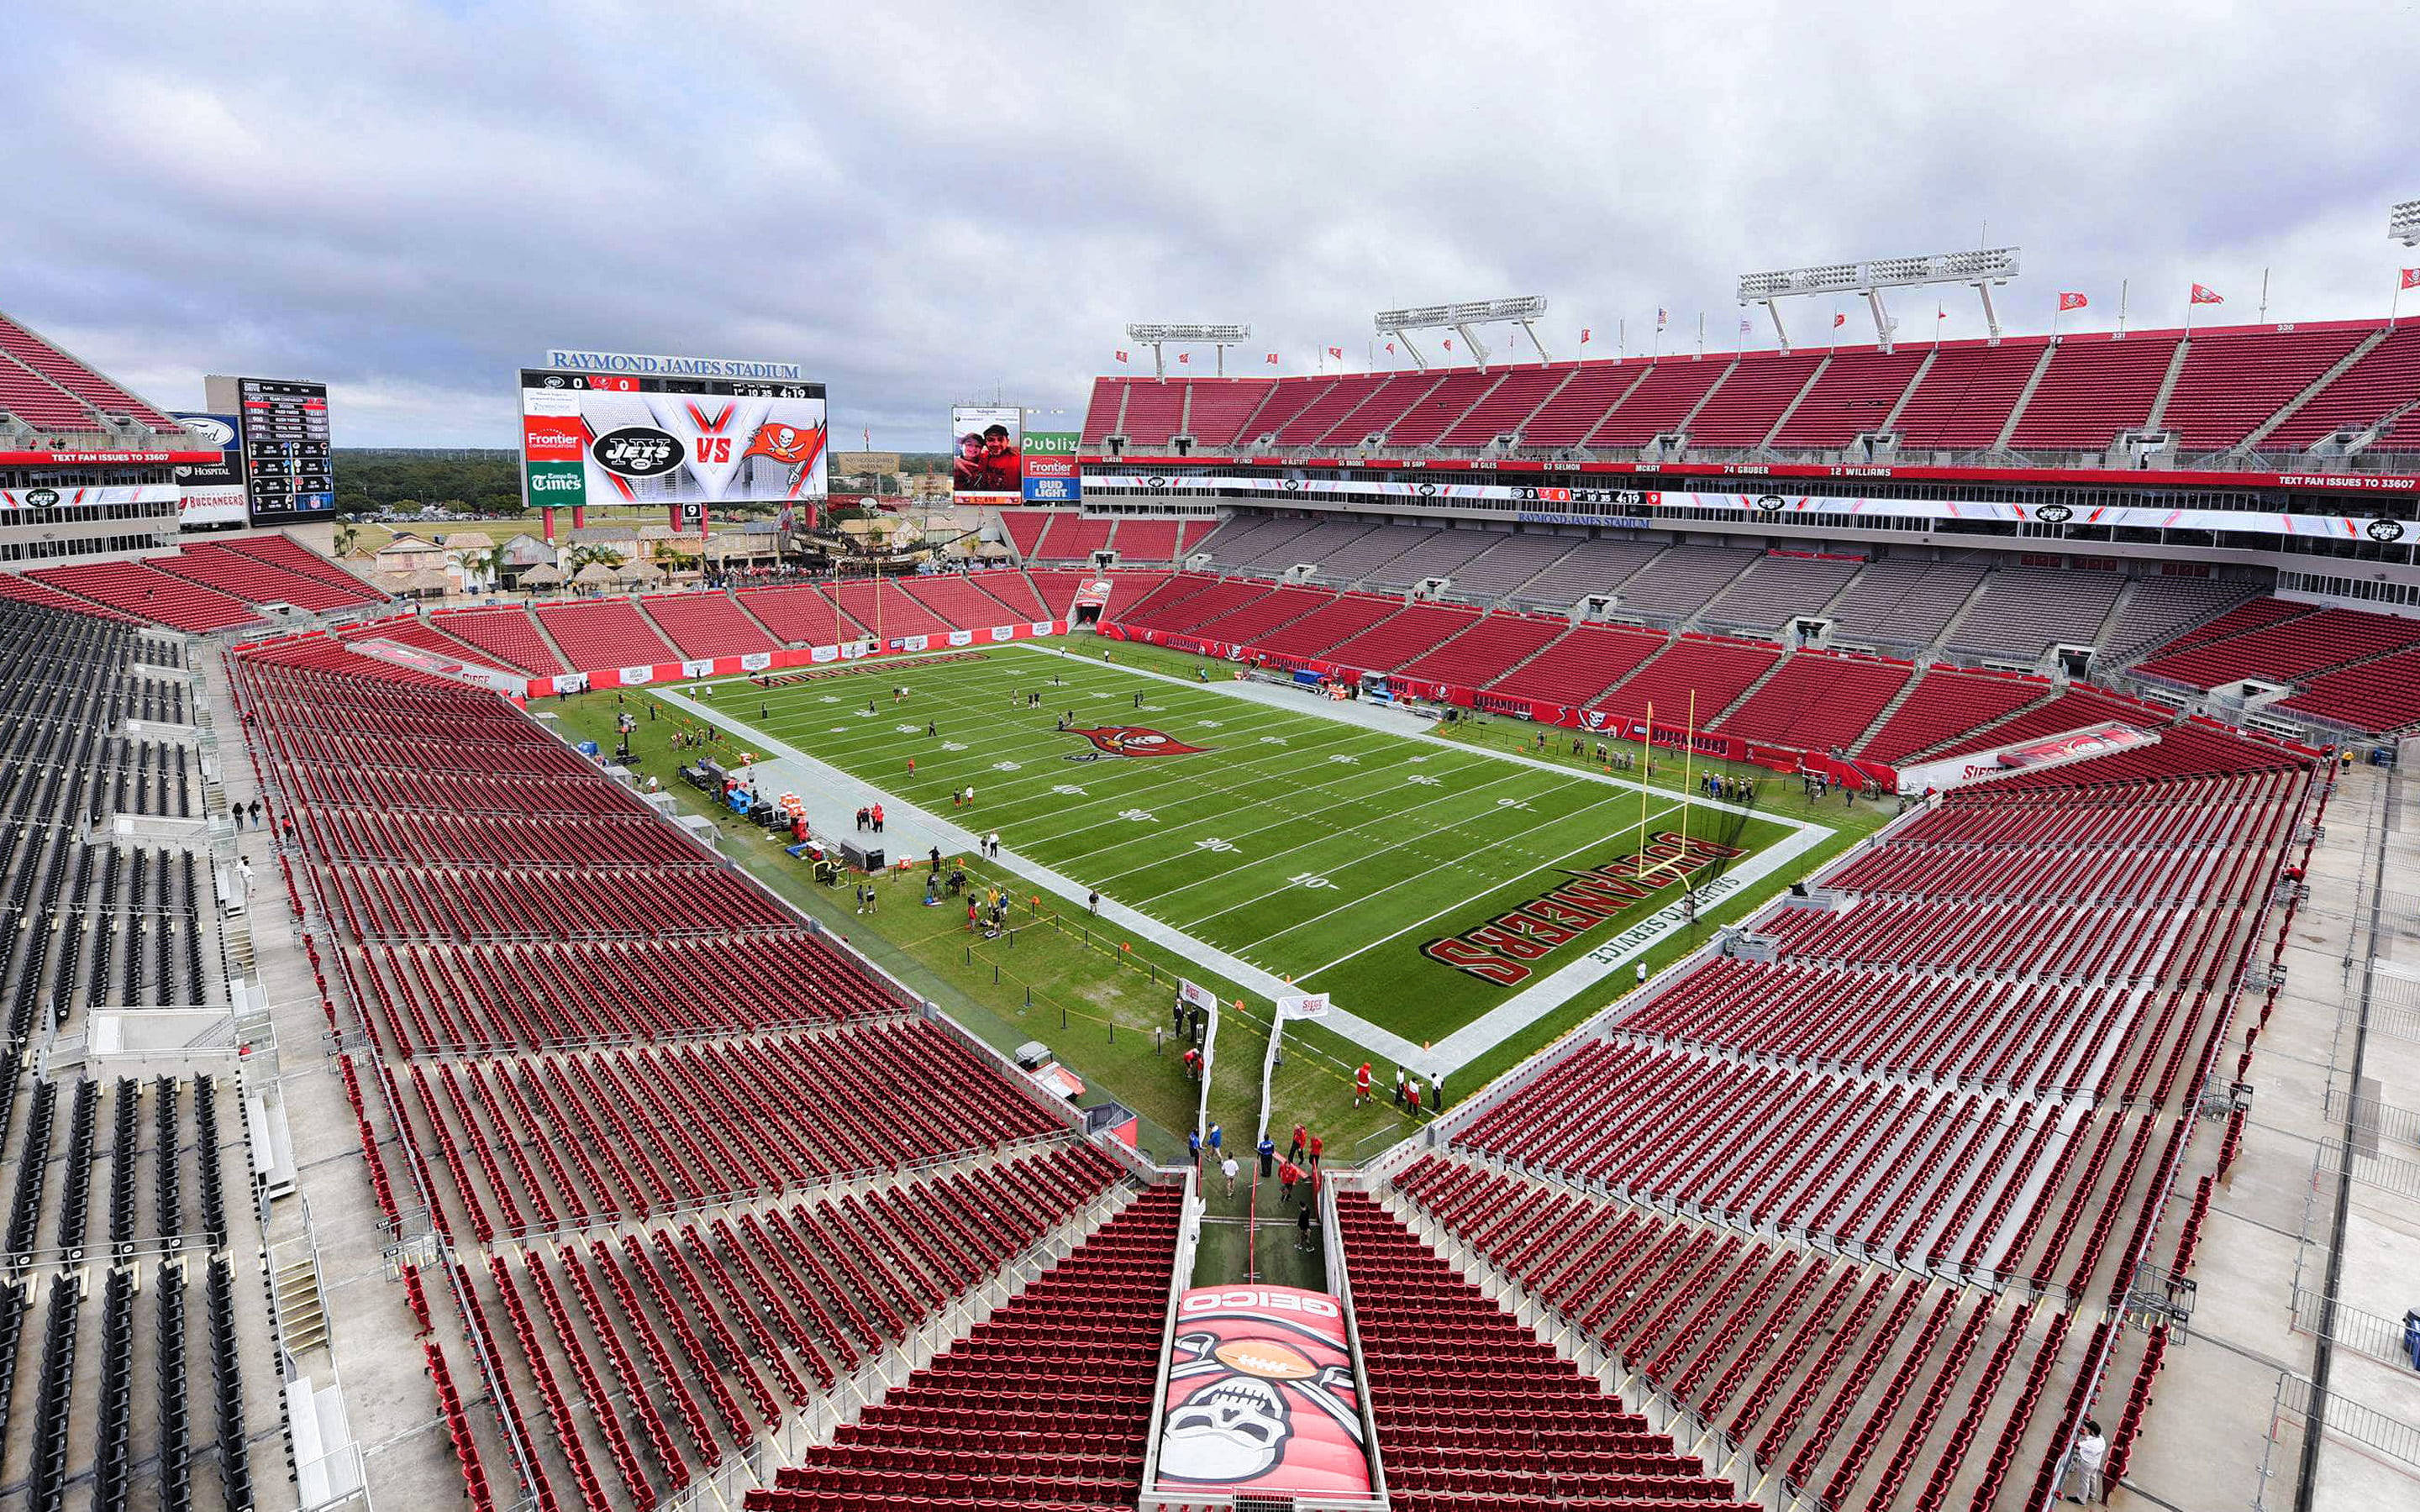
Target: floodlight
(2403, 222)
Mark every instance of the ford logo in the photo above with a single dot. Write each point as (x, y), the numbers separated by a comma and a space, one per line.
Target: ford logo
(2384, 530)
(638, 451)
(2053, 514)
(208, 429)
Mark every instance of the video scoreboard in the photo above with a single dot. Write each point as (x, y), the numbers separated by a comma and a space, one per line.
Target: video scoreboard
(281, 430)
(685, 432)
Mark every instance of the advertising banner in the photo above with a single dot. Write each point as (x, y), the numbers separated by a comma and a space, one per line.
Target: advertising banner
(681, 441)
(211, 493)
(988, 465)
(1637, 508)
(1261, 1399)
(46, 496)
(1202, 997)
(1051, 474)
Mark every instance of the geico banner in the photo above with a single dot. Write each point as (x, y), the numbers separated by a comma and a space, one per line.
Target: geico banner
(1636, 508)
(88, 498)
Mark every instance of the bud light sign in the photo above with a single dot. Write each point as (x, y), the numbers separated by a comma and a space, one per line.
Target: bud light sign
(1050, 468)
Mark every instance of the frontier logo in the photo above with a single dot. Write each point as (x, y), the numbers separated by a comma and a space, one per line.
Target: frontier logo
(1503, 950)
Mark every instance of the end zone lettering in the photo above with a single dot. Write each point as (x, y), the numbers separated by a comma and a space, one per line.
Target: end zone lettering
(1501, 949)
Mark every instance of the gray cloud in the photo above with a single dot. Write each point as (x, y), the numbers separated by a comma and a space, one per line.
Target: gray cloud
(925, 203)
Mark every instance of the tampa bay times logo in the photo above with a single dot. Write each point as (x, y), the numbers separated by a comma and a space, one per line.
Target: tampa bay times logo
(1128, 740)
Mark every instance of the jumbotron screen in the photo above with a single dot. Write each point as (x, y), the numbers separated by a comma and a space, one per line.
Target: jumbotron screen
(661, 430)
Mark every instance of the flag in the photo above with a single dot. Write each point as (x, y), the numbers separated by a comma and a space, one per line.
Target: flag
(1390, 349)
(1338, 352)
(1122, 357)
(1184, 357)
(1273, 358)
(1584, 330)
(2070, 299)
(1659, 319)
(1939, 313)
(2411, 278)
(1839, 319)
(2206, 295)
(1743, 326)
(1448, 344)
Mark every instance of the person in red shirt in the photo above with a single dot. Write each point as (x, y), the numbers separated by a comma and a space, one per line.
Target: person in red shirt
(1316, 1146)
(1361, 1085)
(1295, 1151)
(1288, 1174)
(1193, 1064)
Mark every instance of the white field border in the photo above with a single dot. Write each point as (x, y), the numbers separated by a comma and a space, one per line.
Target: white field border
(1449, 1054)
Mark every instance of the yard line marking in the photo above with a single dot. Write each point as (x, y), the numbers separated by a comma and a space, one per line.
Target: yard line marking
(1461, 904)
(1500, 886)
(1391, 817)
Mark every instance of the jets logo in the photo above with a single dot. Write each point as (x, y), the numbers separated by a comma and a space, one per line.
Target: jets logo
(1129, 740)
(2384, 530)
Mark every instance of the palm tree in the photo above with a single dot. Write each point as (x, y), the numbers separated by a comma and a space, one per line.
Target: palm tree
(480, 569)
(347, 537)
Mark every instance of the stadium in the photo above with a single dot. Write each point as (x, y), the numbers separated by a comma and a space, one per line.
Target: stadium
(1808, 927)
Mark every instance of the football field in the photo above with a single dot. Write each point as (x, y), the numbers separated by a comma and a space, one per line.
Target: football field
(1420, 882)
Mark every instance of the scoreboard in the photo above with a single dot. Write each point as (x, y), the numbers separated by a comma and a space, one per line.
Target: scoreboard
(282, 428)
(684, 432)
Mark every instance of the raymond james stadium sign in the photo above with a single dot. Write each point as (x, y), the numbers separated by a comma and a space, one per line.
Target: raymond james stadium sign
(580, 361)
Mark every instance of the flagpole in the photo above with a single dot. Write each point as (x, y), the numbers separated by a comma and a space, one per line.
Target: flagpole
(1701, 335)
(1622, 336)
(2264, 295)
(2122, 308)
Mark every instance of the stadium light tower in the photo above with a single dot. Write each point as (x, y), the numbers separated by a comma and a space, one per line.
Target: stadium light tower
(1525, 311)
(1981, 268)
(1155, 337)
(2403, 222)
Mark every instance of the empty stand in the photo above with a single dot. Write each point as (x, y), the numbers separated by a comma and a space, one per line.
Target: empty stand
(1672, 387)
(2380, 386)
(1964, 398)
(2022, 612)
(705, 626)
(2092, 390)
(1855, 394)
(2233, 380)
(139, 589)
(608, 633)
(1779, 587)
(1678, 583)
(1752, 400)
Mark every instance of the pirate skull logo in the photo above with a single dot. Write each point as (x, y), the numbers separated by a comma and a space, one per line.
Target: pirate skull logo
(1232, 1430)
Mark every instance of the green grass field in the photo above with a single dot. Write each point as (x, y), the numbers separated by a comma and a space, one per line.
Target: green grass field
(1315, 850)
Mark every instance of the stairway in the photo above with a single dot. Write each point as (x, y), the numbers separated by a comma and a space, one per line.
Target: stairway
(1896, 702)
(1949, 626)
(2024, 397)
(1526, 660)
(750, 615)
(1748, 692)
(2285, 412)
(302, 1315)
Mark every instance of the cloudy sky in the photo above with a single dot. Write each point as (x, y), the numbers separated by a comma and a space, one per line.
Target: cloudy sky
(410, 198)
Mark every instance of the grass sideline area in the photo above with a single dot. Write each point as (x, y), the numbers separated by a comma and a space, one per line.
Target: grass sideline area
(1402, 858)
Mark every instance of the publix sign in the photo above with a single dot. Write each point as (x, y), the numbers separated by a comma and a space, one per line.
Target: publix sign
(1050, 468)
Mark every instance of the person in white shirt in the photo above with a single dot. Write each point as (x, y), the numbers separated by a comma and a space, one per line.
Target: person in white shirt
(2085, 1465)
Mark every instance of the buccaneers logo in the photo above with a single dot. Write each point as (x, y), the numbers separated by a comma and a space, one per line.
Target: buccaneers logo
(1128, 740)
